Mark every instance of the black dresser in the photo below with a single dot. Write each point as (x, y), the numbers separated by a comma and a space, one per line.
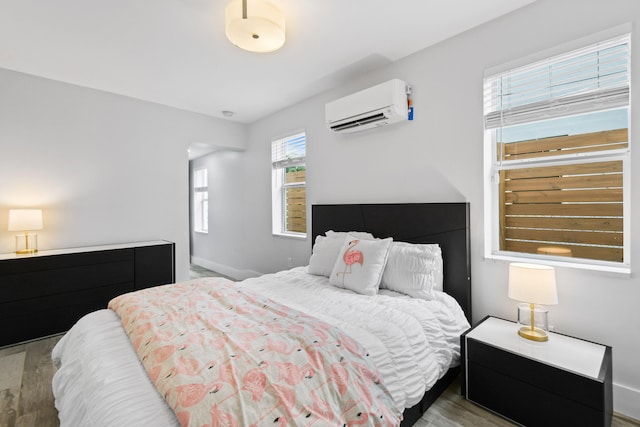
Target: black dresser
(46, 293)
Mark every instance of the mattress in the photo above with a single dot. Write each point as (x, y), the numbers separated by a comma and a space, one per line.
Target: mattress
(413, 343)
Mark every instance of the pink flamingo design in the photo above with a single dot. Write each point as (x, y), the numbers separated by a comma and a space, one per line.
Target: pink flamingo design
(350, 344)
(321, 409)
(189, 394)
(227, 374)
(367, 374)
(281, 347)
(286, 397)
(386, 413)
(293, 374)
(144, 328)
(163, 353)
(184, 417)
(351, 257)
(221, 418)
(255, 383)
(315, 358)
(340, 376)
(364, 419)
(155, 372)
(280, 422)
(187, 366)
(365, 393)
(218, 342)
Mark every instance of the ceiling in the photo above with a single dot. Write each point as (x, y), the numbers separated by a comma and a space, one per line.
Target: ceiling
(174, 52)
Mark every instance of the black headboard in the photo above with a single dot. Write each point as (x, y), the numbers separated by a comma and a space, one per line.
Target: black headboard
(446, 224)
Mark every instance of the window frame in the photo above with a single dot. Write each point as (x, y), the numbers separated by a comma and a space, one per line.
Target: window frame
(492, 165)
(200, 201)
(279, 186)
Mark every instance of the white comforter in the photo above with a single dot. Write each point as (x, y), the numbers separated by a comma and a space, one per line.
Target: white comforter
(100, 381)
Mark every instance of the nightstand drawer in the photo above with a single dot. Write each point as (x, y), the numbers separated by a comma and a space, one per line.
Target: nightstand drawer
(28, 278)
(525, 403)
(539, 375)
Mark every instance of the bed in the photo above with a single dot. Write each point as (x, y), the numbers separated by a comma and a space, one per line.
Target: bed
(100, 380)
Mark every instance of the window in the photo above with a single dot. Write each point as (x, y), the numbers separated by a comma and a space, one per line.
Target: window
(557, 145)
(200, 201)
(289, 191)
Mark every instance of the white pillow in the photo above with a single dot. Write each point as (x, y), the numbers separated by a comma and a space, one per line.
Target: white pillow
(324, 255)
(414, 270)
(363, 235)
(360, 265)
(326, 249)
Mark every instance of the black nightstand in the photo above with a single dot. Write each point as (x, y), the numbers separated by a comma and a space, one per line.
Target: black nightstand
(562, 382)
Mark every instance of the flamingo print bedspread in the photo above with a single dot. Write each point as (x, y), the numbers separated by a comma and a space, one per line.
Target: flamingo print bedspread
(222, 355)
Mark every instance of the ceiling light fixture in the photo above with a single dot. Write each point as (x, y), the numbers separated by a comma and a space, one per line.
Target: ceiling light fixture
(258, 29)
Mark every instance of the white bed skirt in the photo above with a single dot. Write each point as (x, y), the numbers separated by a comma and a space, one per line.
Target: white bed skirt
(101, 382)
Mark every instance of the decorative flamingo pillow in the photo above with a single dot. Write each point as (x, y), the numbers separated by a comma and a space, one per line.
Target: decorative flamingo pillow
(326, 250)
(360, 265)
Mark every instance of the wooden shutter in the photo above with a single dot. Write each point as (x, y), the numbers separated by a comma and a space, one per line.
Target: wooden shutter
(568, 210)
(296, 202)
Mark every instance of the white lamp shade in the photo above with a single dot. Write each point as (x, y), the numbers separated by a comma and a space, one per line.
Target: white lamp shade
(25, 219)
(261, 31)
(532, 283)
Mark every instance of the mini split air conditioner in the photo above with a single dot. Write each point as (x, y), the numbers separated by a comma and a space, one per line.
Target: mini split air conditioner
(379, 105)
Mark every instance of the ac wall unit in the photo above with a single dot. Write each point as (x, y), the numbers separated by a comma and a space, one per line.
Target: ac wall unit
(379, 105)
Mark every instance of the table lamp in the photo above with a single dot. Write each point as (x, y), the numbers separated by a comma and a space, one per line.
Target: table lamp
(533, 284)
(25, 220)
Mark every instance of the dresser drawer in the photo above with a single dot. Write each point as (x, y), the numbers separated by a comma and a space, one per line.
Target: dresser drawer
(53, 314)
(57, 302)
(21, 280)
(154, 266)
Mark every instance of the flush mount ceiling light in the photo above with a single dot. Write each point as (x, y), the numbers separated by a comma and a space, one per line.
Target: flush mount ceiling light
(257, 28)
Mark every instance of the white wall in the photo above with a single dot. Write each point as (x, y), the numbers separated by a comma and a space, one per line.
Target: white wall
(438, 157)
(104, 168)
(224, 244)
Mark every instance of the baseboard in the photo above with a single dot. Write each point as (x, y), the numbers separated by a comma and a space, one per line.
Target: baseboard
(224, 269)
(625, 401)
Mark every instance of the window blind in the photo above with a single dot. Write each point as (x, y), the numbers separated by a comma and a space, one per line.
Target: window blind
(593, 78)
(289, 151)
(200, 181)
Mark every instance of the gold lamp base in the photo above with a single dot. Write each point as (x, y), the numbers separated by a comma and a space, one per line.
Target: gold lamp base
(26, 251)
(26, 244)
(533, 334)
